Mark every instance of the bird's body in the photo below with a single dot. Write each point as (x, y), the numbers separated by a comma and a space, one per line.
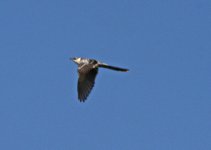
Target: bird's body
(87, 71)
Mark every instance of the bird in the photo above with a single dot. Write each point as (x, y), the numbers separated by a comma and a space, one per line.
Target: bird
(87, 72)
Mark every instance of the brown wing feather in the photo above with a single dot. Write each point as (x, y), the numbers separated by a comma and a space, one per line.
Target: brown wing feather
(86, 81)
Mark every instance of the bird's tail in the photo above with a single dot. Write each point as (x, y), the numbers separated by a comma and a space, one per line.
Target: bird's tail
(113, 68)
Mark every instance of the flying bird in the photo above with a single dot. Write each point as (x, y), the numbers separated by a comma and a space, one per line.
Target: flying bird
(87, 72)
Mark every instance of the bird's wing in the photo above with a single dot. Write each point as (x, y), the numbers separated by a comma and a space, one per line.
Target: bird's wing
(113, 67)
(86, 80)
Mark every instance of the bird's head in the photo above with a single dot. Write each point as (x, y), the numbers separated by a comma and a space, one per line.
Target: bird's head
(76, 60)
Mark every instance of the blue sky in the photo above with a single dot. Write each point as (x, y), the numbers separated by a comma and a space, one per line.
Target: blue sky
(162, 103)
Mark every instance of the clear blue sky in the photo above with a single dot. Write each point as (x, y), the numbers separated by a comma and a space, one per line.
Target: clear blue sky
(163, 103)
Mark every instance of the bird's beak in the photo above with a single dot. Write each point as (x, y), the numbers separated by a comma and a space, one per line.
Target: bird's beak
(72, 58)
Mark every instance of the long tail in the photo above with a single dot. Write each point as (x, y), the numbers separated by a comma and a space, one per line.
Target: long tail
(113, 68)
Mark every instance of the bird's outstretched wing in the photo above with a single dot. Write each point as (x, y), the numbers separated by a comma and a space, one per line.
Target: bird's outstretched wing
(113, 67)
(86, 81)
